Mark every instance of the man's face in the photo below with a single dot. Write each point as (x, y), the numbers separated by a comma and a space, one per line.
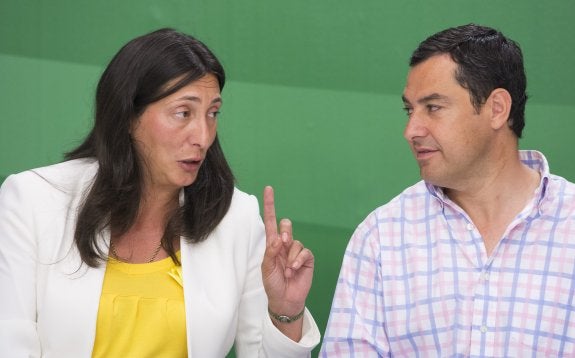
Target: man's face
(447, 136)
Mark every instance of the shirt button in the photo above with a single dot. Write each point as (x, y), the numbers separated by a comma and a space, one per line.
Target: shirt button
(470, 226)
(483, 329)
(486, 276)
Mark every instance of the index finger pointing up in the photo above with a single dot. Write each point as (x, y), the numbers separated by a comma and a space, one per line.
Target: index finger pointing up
(270, 221)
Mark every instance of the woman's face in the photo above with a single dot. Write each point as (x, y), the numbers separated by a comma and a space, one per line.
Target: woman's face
(173, 135)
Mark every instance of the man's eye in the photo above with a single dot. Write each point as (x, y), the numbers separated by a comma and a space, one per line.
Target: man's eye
(408, 110)
(214, 114)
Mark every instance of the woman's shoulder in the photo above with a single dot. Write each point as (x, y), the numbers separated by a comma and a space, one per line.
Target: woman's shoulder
(241, 197)
(68, 170)
(66, 177)
(243, 203)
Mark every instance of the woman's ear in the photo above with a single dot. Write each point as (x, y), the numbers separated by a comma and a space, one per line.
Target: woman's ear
(500, 105)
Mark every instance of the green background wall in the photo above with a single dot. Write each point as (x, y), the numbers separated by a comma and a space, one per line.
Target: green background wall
(312, 105)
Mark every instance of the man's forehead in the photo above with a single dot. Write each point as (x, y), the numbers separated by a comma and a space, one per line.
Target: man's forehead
(431, 78)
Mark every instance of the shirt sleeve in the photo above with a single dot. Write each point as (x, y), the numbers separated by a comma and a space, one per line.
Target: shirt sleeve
(256, 335)
(18, 335)
(356, 324)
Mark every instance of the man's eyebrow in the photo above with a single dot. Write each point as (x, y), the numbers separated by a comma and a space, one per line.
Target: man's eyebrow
(426, 99)
(432, 97)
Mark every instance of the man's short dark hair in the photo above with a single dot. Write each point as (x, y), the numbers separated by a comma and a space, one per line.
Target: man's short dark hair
(486, 60)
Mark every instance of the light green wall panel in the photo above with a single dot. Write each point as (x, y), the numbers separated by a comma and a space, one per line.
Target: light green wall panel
(45, 110)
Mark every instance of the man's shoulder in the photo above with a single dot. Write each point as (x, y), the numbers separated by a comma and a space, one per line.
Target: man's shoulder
(412, 203)
(413, 196)
(560, 191)
(390, 224)
(563, 183)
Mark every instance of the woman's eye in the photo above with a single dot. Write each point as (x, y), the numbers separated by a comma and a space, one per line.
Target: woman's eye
(214, 114)
(182, 114)
(432, 107)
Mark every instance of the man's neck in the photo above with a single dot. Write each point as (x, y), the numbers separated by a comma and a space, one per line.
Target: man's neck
(493, 201)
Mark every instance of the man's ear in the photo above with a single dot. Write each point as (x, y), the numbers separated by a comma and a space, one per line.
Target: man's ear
(500, 106)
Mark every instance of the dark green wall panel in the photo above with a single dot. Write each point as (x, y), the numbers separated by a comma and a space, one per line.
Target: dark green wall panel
(360, 45)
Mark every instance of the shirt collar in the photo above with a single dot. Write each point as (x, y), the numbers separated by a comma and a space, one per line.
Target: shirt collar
(532, 158)
(537, 161)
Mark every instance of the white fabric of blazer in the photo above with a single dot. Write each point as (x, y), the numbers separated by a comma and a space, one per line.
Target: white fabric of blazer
(49, 300)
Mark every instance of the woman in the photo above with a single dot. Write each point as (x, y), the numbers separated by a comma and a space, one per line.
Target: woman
(139, 244)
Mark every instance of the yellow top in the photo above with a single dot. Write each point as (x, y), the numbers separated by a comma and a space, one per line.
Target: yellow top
(141, 311)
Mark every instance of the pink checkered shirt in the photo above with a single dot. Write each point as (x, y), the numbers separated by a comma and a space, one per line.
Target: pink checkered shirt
(416, 280)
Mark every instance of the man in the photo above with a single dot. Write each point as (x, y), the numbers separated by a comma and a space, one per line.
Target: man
(478, 259)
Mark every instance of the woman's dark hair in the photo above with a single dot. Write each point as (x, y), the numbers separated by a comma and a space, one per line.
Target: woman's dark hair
(136, 77)
(486, 60)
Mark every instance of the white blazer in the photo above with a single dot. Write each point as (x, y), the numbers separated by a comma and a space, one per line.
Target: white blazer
(49, 300)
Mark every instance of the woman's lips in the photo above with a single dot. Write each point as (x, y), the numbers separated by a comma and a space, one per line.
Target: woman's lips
(190, 165)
